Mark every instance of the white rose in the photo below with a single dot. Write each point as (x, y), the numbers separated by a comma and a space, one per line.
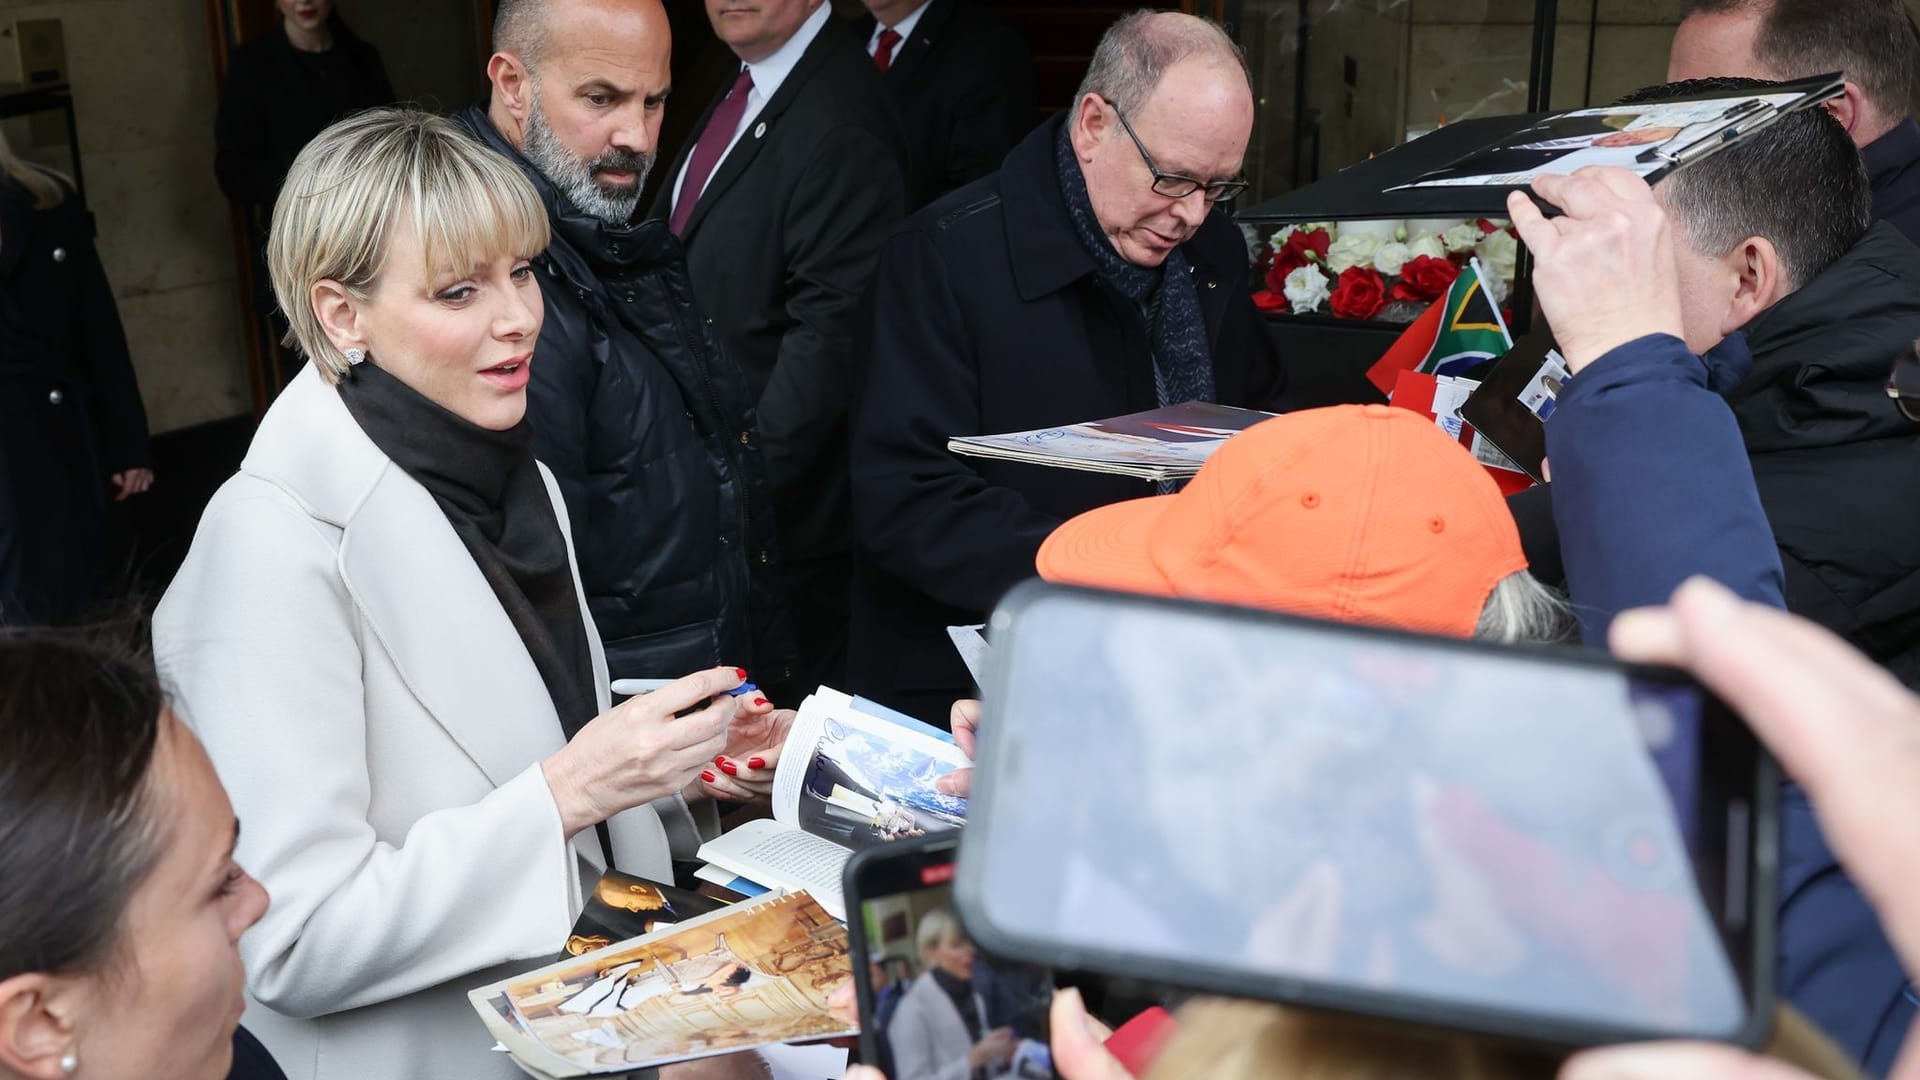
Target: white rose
(1351, 250)
(1391, 257)
(1431, 226)
(1497, 252)
(1462, 237)
(1381, 232)
(1430, 246)
(1279, 240)
(1306, 289)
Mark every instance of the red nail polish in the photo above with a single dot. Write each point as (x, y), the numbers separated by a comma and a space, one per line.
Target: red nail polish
(759, 701)
(742, 672)
(730, 768)
(720, 759)
(756, 763)
(709, 777)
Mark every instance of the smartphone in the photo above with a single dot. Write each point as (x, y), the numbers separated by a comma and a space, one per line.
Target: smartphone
(1534, 843)
(914, 965)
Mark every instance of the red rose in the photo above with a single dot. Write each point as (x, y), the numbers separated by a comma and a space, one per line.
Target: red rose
(1358, 294)
(1268, 300)
(1487, 228)
(1425, 279)
(1293, 255)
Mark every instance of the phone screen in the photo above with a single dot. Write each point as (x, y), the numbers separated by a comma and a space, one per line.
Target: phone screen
(931, 1004)
(1354, 818)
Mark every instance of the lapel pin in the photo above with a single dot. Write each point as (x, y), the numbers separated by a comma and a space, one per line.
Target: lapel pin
(760, 129)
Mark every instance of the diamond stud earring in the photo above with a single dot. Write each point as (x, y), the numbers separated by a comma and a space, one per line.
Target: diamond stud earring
(356, 356)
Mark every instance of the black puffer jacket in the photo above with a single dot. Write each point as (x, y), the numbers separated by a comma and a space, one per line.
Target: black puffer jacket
(649, 429)
(1837, 464)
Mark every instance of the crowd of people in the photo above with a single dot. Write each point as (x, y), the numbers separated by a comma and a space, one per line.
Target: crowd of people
(541, 438)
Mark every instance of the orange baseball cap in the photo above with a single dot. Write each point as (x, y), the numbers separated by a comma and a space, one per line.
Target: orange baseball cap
(1360, 513)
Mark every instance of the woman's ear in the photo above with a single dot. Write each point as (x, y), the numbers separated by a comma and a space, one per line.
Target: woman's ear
(339, 313)
(35, 1030)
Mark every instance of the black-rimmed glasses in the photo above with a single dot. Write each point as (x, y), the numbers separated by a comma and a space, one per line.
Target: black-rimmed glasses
(1173, 185)
(1903, 383)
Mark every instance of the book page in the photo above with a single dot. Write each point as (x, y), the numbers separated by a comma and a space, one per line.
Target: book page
(784, 857)
(868, 781)
(750, 975)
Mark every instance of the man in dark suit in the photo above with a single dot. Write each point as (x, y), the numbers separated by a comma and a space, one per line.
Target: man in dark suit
(962, 80)
(783, 199)
(1090, 277)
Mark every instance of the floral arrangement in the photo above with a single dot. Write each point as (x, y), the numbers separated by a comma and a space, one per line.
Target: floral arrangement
(1387, 270)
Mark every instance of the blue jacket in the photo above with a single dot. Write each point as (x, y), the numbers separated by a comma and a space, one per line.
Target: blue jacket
(1651, 483)
(1642, 438)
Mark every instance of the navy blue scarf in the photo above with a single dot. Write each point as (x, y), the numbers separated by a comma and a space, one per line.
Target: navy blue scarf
(1164, 295)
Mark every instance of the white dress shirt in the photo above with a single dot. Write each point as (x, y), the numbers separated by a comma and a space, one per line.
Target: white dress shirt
(767, 74)
(904, 28)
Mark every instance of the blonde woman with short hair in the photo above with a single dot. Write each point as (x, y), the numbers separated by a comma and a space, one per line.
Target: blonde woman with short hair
(379, 635)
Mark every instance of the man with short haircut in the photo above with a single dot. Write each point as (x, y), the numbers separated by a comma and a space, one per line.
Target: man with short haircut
(1872, 42)
(1797, 302)
(1092, 276)
(793, 178)
(962, 79)
(644, 421)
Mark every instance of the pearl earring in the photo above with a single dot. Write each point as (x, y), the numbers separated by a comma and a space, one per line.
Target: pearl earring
(70, 1062)
(356, 356)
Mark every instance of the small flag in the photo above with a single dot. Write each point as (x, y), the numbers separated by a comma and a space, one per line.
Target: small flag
(1457, 331)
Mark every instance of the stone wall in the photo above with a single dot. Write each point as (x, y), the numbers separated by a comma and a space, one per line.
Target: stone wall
(1380, 70)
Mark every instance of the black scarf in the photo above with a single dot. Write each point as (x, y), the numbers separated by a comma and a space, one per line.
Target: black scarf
(491, 491)
(1182, 364)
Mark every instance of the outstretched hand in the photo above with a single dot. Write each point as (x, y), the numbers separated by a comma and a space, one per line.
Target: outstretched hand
(964, 719)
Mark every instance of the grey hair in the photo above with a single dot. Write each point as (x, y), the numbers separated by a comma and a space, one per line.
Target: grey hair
(1136, 51)
(936, 927)
(1521, 609)
(519, 27)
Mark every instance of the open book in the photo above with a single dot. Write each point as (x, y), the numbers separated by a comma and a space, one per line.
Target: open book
(1650, 139)
(1161, 444)
(849, 778)
(750, 975)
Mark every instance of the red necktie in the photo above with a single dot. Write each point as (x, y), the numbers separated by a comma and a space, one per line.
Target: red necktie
(706, 153)
(883, 53)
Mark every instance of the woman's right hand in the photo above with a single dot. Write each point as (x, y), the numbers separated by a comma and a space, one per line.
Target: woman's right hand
(638, 751)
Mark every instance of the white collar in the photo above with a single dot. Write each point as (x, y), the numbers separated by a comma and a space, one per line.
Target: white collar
(904, 27)
(768, 74)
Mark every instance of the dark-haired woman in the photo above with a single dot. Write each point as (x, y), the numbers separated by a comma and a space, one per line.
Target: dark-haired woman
(121, 907)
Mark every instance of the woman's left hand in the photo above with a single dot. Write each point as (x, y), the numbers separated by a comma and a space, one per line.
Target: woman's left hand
(744, 769)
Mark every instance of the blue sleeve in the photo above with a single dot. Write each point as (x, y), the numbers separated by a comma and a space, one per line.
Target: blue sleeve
(1652, 485)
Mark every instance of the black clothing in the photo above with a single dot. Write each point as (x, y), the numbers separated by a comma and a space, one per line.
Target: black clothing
(781, 247)
(1837, 467)
(1893, 172)
(963, 85)
(251, 1061)
(960, 992)
(276, 98)
(648, 427)
(70, 410)
(988, 317)
(496, 500)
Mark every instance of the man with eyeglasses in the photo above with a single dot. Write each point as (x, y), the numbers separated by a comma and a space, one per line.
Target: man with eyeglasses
(1093, 275)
